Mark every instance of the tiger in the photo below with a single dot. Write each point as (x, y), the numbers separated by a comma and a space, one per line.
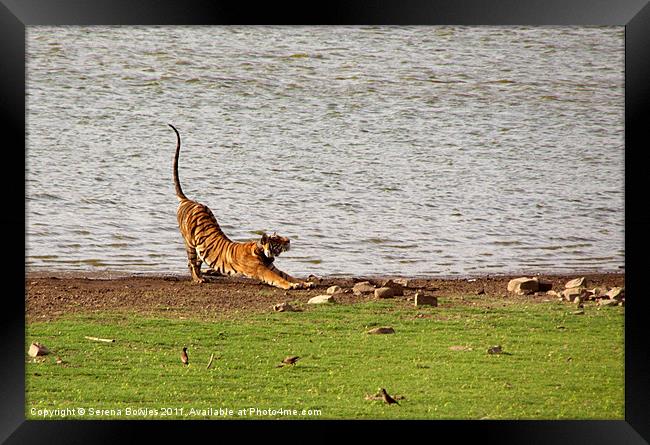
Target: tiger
(206, 243)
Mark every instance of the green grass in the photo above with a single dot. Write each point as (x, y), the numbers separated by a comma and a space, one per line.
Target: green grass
(574, 372)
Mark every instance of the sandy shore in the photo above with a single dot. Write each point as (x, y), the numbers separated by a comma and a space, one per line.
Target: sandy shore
(50, 295)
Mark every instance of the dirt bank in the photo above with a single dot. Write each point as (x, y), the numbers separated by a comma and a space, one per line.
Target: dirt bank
(51, 295)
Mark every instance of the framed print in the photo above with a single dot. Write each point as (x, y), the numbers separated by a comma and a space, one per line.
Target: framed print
(424, 212)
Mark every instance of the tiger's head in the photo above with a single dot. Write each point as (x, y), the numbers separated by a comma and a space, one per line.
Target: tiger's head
(273, 245)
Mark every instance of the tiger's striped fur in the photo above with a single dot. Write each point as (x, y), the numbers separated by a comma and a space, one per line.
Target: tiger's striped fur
(205, 242)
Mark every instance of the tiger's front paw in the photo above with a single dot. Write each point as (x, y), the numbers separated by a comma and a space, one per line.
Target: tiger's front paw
(304, 285)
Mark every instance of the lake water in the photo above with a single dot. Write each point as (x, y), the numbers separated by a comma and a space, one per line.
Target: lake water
(414, 151)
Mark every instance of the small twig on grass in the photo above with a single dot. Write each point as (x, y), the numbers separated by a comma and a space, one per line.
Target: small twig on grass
(210, 362)
(105, 340)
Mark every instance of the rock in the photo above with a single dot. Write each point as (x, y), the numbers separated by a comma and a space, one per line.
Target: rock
(404, 282)
(284, 307)
(384, 292)
(398, 289)
(576, 282)
(578, 299)
(588, 294)
(570, 294)
(579, 312)
(334, 290)
(363, 287)
(606, 302)
(481, 291)
(37, 349)
(552, 293)
(383, 330)
(615, 293)
(422, 299)
(523, 286)
(319, 299)
(596, 291)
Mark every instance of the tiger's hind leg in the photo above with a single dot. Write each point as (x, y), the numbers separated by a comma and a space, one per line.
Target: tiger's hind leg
(194, 264)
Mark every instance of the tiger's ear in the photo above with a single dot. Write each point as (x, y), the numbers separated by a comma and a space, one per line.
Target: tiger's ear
(264, 237)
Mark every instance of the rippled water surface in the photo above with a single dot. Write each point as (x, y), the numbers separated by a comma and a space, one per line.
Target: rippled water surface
(421, 151)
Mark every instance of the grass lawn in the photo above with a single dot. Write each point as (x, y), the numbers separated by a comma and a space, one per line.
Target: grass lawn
(558, 365)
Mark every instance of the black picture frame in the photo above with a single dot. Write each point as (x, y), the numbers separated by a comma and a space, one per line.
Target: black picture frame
(15, 15)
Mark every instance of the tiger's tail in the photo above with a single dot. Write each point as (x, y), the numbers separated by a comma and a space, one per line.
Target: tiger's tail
(179, 191)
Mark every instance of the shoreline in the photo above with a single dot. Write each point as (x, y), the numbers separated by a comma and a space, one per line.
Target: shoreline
(119, 274)
(54, 294)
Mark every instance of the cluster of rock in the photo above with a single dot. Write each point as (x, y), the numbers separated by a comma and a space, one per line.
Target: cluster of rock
(394, 288)
(575, 291)
(387, 289)
(384, 289)
(328, 297)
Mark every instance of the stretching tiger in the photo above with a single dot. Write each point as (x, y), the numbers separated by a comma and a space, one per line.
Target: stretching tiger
(206, 242)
